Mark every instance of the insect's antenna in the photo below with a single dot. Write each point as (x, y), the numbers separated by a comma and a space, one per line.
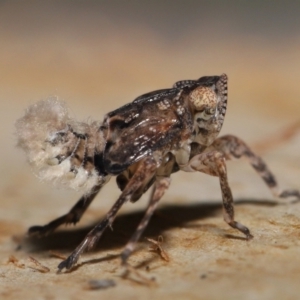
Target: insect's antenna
(59, 148)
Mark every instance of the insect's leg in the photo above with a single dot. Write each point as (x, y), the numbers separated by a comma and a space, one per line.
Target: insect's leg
(159, 188)
(233, 147)
(213, 163)
(144, 172)
(73, 216)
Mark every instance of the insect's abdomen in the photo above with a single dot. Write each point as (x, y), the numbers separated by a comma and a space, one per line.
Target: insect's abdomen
(60, 149)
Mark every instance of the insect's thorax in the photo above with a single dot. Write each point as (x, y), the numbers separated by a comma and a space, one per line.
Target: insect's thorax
(144, 127)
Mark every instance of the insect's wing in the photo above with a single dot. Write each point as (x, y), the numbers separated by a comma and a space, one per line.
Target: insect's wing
(141, 127)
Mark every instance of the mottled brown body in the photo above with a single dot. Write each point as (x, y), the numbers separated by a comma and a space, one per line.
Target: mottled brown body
(142, 128)
(142, 143)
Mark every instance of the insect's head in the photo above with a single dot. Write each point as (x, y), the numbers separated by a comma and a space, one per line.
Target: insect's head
(59, 148)
(208, 98)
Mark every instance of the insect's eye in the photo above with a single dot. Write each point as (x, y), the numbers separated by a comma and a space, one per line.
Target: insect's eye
(210, 111)
(205, 114)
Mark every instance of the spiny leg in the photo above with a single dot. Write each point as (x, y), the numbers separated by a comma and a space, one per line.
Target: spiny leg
(158, 190)
(233, 147)
(73, 216)
(143, 173)
(213, 163)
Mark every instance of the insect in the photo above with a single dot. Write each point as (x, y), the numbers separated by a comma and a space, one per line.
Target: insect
(141, 143)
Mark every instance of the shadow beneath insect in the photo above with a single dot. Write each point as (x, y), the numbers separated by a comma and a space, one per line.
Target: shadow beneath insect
(165, 218)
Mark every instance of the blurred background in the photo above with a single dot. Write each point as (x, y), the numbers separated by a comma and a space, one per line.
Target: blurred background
(99, 55)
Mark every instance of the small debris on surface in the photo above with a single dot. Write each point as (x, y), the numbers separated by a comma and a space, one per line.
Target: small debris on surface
(101, 284)
(156, 247)
(38, 266)
(12, 259)
(31, 263)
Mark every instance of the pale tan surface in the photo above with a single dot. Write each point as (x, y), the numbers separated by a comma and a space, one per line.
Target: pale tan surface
(100, 57)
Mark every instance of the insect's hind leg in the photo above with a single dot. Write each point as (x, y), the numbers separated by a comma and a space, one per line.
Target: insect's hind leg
(159, 188)
(73, 216)
(233, 147)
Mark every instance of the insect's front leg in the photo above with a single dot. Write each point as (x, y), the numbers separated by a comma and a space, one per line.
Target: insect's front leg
(144, 173)
(158, 190)
(233, 147)
(73, 216)
(213, 163)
